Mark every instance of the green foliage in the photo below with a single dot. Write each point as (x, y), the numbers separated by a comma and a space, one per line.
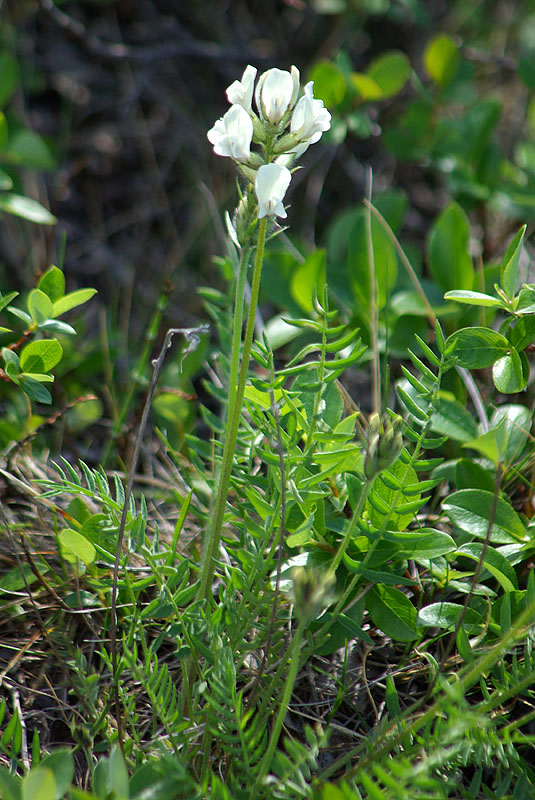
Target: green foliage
(32, 367)
(401, 536)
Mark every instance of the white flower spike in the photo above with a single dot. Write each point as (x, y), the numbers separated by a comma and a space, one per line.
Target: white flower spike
(272, 181)
(232, 134)
(276, 93)
(241, 92)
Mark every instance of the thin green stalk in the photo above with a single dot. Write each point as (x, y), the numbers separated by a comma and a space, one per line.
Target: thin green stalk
(211, 544)
(237, 327)
(292, 657)
(373, 308)
(357, 513)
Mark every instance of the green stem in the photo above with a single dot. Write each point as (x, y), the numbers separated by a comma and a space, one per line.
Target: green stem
(211, 544)
(292, 657)
(237, 330)
(357, 513)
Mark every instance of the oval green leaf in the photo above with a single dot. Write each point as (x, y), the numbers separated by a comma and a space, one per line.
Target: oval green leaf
(52, 283)
(26, 208)
(390, 72)
(453, 419)
(392, 612)
(516, 421)
(39, 306)
(441, 59)
(72, 300)
(39, 784)
(509, 373)
(423, 544)
(494, 562)
(476, 348)
(366, 87)
(449, 257)
(308, 278)
(329, 83)
(446, 615)
(474, 299)
(29, 149)
(62, 765)
(41, 356)
(472, 509)
(76, 547)
(509, 265)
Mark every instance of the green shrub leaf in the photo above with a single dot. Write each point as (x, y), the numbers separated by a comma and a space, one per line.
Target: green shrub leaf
(61, 763)
(72, 300)
(52, 283)
(392, 612)
(329, 83)
(449, 256)
(390, 72)
(494, 562)
(41, 356)
(471, 510)
(27, 148)
(446, 615)
(509, 265)
(26, 208)
(441, 59)
(76, 547)
(510, 373)
(39, 306)
(476, 348)
(474, 299)
(39, 784)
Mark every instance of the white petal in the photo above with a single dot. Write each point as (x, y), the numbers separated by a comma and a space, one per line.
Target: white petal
(274, 93)
(295, 78)
(241, 92)
(272, 181)
(231, 135)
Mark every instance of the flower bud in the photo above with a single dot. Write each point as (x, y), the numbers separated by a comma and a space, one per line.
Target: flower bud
(384, 443)
(245, 216)
(311, 591)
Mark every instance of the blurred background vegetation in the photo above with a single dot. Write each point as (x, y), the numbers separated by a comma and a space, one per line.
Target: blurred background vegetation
(107, 104)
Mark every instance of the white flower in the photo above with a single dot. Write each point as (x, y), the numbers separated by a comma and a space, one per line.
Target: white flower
(276, 93)
(272, 181)
(310, 118)
(241, 92)
(232, 134)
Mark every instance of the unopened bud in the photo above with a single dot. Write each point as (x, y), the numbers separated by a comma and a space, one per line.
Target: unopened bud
(259, 129)
(286, 143)
(384, 443)
(245, 215)
(312, 591)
